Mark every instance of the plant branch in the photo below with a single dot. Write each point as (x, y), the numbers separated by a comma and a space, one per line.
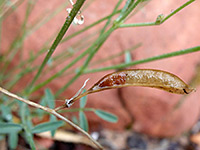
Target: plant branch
(62, 32)
(157, 22)
(90, 26)
(51, 111)
(159, 57)
(177, 10)
(93, 49)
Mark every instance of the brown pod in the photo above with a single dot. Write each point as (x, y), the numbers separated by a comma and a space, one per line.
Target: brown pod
(138, 77)
(143, 77)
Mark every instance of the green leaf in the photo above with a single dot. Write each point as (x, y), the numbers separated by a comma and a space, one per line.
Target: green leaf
(52, 119)
(9, 128)
(29, 138)
(83, 100)
(83, 121)
(49, 62)
(27, 124)
(75, 120)
(106, 115)
(49, 126)
(13, 140)
(6, 113)
(128, 58)
(41, 112)
(49, 97)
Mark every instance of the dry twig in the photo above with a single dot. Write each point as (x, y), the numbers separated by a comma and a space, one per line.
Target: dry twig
(51, 111)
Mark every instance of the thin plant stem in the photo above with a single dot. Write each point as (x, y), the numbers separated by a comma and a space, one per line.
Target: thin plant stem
(159, 57)
(101, 40)
(178, 9)
(15, 46)
(62, 32)
(109, 19)
(78, 109)
(51, 111)
(6, 10)
(90, 26)
(123, 16)
(138, 24)
(156, 22)
(45, 19)
(116, 55)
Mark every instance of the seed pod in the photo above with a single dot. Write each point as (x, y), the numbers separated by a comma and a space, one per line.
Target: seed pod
(138, 77)
(143, 77)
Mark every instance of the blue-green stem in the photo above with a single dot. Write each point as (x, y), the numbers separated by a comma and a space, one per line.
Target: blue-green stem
(178, 9)
(157, 22)
(62, 32)
(98, 43)
(164, 56)
(131, 5)
(109, 19)
(90, 26)
(137, 24)
(116, 55)
(18, 42)
(77, 110)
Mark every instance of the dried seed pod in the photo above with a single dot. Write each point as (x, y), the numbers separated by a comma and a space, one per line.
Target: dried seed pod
(138, 77)
(143, 77)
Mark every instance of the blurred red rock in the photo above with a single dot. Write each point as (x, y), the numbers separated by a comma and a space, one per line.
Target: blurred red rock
(151, 109)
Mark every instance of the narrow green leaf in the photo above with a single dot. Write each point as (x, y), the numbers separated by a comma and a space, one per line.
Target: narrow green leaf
(41, 112)
(75, 120)
(83, 121)
(29, 138)
(49, 98)
(13, 140)
(6, 113)
(27, 124)
(106, 115)
(83, 100)
(49, 62)
(9, 128)
(52, 119)
(47, 126)
(128, 58)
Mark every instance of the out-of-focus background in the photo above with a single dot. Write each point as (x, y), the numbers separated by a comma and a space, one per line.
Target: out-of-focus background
(146, 116)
